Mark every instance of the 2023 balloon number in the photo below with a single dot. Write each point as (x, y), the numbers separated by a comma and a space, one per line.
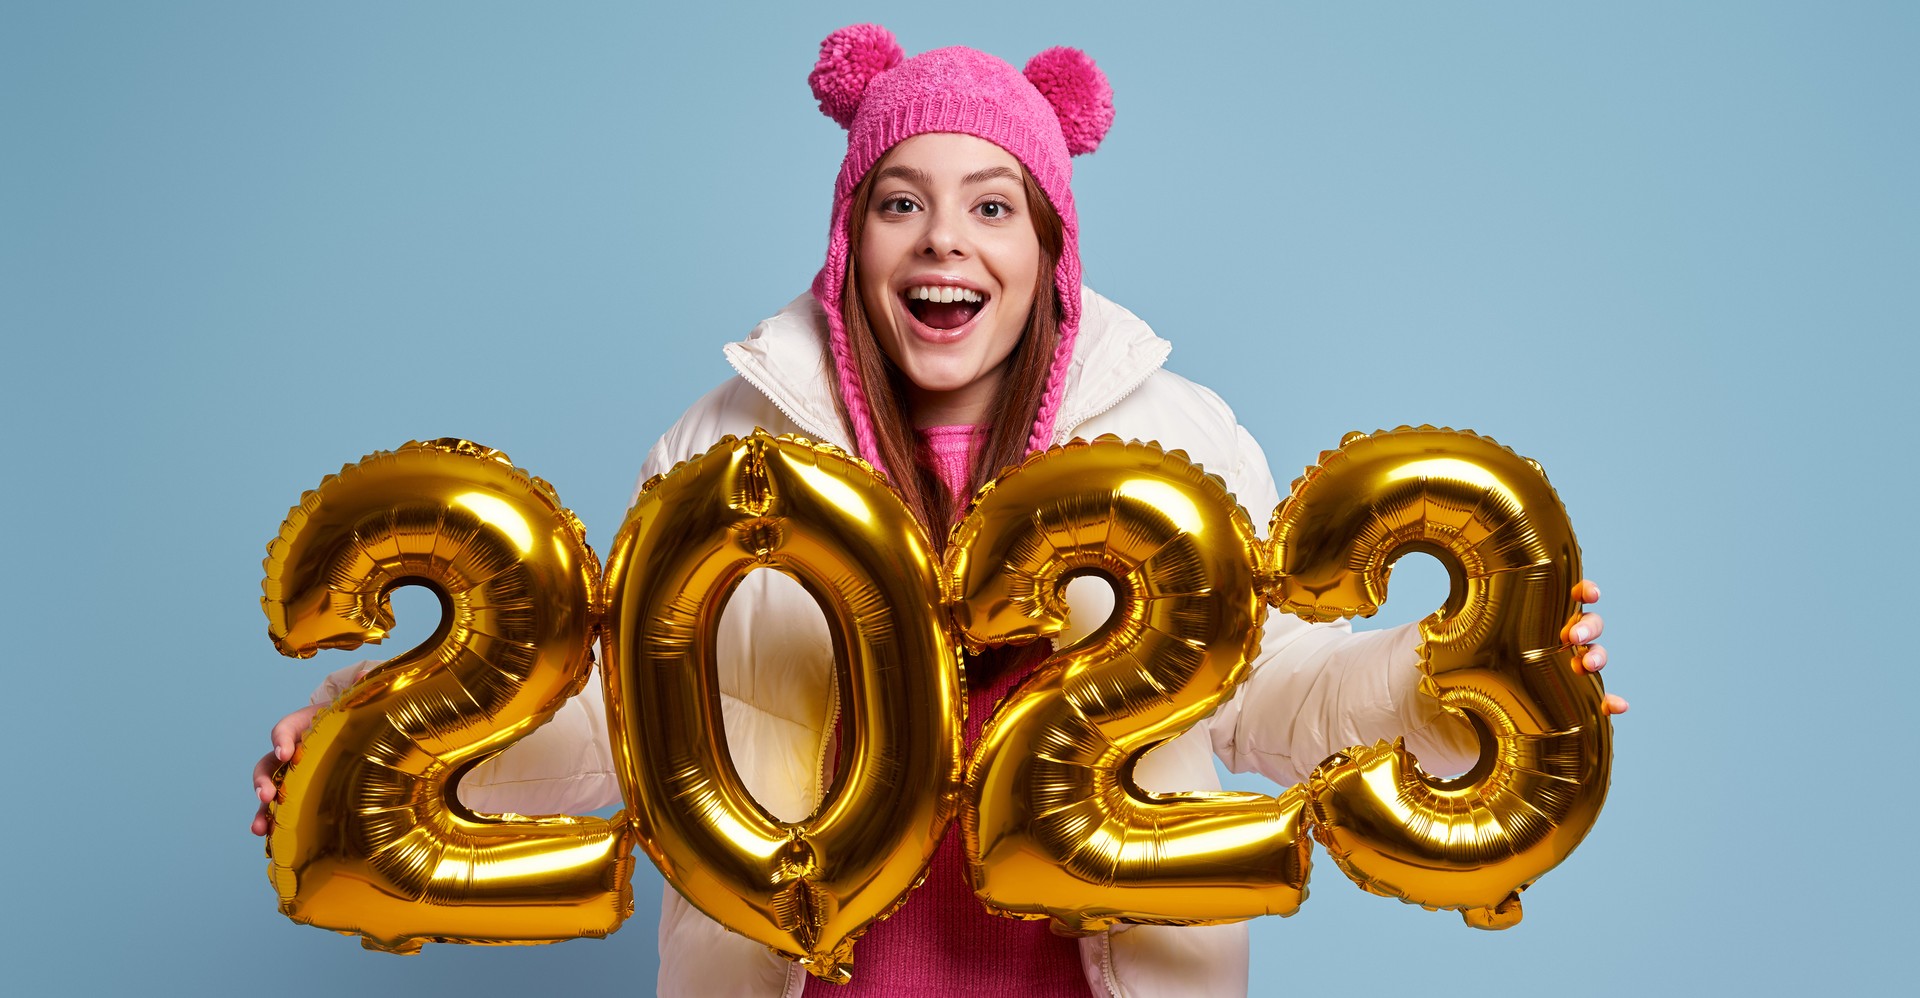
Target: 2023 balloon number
(368, 837)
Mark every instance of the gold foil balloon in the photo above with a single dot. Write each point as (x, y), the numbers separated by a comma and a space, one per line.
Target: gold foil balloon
(1054, 825)
(805, 889)
(1494, 654)
(368, 835)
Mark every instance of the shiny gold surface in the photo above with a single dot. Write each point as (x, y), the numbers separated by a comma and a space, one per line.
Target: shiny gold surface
(369, 839)
(1055, 827)
(1494, 654)
(806, 889)
(368, 836)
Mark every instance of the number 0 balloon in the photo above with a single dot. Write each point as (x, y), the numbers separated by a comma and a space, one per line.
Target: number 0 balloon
(806, 889)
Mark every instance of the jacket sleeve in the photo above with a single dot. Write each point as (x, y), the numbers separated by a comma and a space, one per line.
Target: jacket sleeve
(337, 681)
(1316, 689)
(564, 767)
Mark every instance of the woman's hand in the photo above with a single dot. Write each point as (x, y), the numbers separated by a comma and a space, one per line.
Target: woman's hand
(285, 737)
(1583, 631)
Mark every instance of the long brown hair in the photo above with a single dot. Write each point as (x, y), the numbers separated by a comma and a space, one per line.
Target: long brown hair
(1015, 406)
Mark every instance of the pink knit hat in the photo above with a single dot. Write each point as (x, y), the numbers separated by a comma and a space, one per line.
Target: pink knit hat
(1059, 108)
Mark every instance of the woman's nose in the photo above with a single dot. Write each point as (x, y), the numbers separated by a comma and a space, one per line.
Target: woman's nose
(943, 238)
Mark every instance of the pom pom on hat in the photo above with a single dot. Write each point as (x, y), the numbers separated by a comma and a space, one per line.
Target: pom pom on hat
(1079, 93)
(849, 60)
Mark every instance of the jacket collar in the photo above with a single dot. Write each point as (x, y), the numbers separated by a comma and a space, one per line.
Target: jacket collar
(785, 357)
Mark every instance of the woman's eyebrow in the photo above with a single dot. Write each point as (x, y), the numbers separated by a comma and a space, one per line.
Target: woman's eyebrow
(990, 173)
(915, 175)
(911, 174)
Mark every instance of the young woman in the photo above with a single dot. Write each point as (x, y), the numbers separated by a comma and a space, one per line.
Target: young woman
(946, 337)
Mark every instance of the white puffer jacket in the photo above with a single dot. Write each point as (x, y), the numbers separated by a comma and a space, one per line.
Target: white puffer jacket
(1315, 689)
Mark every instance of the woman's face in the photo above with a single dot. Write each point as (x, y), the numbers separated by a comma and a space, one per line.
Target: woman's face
(947, 270)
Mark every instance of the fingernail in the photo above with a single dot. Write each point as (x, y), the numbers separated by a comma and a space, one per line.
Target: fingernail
(1579, 635)
(1596, 591)
(280, 752)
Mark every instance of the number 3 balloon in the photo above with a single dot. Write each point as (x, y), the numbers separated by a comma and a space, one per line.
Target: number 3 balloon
(1492, 654)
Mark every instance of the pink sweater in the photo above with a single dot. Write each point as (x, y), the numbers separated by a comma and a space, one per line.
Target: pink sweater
(943, 941)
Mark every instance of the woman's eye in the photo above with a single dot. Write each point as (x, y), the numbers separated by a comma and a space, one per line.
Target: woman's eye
(995, 209)
(898, 206)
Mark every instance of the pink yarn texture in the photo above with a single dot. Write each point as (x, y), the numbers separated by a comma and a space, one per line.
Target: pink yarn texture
(1060, 107)
(1079, 94)
(849, 59)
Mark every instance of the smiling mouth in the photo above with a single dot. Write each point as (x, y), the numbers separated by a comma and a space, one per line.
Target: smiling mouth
(942, 307)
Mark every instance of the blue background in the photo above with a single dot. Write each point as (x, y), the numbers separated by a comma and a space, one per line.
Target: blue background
(1668, 250)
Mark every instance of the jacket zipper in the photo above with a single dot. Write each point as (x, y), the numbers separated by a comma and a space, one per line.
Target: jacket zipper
(833, 688)
(796, 975)
(1063, 434)
(781, 404)
(827, 737)
(1106, 965)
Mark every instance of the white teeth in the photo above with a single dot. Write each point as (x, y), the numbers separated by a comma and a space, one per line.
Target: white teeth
(932, 293)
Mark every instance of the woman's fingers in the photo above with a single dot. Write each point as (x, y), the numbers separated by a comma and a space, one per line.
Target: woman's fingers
(293, 727)
(1585, 629)
(263, 776)
(1614, 705)
(263, 788)
(286, 736)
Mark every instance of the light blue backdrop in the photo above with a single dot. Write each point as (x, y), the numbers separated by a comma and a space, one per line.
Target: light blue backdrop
(1668, 250)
